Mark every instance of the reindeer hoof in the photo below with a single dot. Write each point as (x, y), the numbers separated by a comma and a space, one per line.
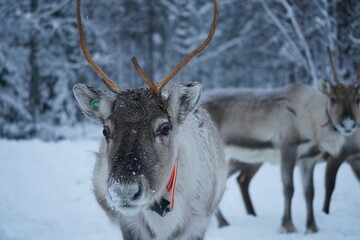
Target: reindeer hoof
(326, 210)
(312, 229)
(252, 213)
(224, 224)
(221, 219)
(288, 228)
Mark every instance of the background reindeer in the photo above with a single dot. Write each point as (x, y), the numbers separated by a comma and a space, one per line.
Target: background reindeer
(156, 140)
(349, 153)
(297, 120)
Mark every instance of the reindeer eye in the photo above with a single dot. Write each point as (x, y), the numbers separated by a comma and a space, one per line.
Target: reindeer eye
(165, 129)
(106, 132)
(333, 100)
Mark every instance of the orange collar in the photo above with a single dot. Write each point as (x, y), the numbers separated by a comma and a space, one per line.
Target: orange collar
(328, 122)
(325, 124)
(164, 206)
(171, 185)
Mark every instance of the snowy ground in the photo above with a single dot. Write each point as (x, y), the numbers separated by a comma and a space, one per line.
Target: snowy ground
(45, 193)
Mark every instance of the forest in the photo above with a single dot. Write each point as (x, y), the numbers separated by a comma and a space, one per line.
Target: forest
(258, 43)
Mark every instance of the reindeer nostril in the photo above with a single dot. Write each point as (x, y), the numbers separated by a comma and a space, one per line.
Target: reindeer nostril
(138, 194)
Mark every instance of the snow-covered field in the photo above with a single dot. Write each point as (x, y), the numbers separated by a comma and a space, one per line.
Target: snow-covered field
(45, 193)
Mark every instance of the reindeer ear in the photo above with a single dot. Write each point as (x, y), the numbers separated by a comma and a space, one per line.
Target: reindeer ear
(183, 100)
(324, 86)
(94, 103)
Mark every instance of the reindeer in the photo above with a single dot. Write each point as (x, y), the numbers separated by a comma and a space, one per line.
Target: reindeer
(160, 170)
(349, 153)
(298, 121)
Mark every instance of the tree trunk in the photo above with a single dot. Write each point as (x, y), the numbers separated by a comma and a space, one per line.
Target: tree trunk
(34, 97)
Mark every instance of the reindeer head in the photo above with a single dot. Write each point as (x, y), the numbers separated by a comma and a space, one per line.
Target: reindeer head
(141, 132)
(343, 101)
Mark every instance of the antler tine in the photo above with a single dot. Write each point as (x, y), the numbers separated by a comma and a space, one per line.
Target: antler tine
(146, 79)
(357, 80)
(333, 67)
(195, 52)
(111, 85)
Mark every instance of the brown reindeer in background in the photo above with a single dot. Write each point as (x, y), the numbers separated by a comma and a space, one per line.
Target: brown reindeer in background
(349, 153)
(297, 120)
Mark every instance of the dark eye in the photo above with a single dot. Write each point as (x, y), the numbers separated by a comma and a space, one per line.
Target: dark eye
(358, 101)
(333, 100)
(106, 132)
(165, 129)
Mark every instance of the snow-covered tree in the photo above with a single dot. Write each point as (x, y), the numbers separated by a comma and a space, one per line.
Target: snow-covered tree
(258, 43)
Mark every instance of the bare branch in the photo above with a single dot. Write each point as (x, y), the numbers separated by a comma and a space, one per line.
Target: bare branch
(282, 29)
(357, 80)
(302, 39)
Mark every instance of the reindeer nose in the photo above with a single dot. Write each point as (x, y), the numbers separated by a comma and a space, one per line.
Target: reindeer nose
(125, 194)
(348, 123)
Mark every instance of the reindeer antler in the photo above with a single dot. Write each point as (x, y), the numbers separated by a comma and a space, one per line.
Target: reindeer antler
(337, 82)
(111, 85)
(145, 77)
(157, 88)
(357, 80)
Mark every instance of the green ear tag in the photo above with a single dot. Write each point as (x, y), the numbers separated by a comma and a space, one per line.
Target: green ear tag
(324, 86)
(95, 103)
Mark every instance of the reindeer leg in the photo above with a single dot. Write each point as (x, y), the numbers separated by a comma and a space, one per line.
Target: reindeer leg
(247, 171)
(243, 181)
(127, 233)
(222, 222)
(288, 159)
(234, 167)
(354, 161)
(307, 166)
(332, 168)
